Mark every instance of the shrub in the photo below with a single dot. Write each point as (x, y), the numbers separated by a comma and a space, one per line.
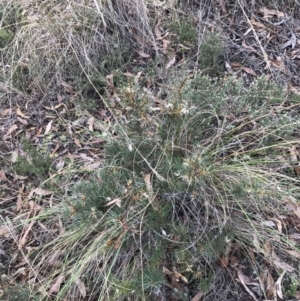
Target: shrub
(183, 179)
(211, 50)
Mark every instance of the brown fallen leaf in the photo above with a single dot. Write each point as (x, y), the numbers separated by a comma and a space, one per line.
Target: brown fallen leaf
(4, 231)
(77, 142)
(116, 201)
(224, 260)
(147, 179)
(59, 98)
(3, 176)
(91, 166)
(25, 231)
(81, 287)
(48, 127)
(278, 285)
(143, 54)
(271, 292)
(137, 77)
(165, 45)
(10, 131)
(42, 192)
(249, 47)
(175, 275)
(23, 121)
(90, 123)
(281, 264)
(291, 42)
(171, 62)
(56, 286)
(249, 71)
(197, 297)
(294, 253)
(19, 112)
(6, 112)
(245, 279)
(271, 12)
(34, 206)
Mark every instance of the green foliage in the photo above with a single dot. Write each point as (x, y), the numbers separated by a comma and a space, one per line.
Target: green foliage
(180, 180)
(5, 37)
(10, 17)
(210, 51)
(291, 285)
(35, 162)
(184, 31)
(19, 292)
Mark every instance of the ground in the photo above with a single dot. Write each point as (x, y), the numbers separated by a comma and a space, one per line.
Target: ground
(87, 88)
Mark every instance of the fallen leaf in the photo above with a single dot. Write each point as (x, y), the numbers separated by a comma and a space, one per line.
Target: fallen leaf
(91, 166)
(294, 253)
(236, 66)
(4, 231)
(271, 12)
(6, 112)
(137, 77)
(228, 67)
(147, 179)
(116, 201)
(19, 112)
(269, 224)
(294, 154)
(3, 175)
(10, 131)
(171, 62)
(224, 261)
(249, 71)
(26, 230)
(77, 142)
(81, 287)
(278, 223)
(42, 192)
(34, 206)
(243, 278)
(59, 98)
(143, 54)
(86, 157)
(270, 286)
(60, 164)
(197, 297)
(249, 47)
(297, 170)
(174, 274)
(23, 121)
(278, 285)
(165, 45)
(90, 123)
(291, 42)
(56, 286)
(48, 127)
(281, 264)
(68, 88)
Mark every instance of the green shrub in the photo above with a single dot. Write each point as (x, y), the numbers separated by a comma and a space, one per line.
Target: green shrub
(184, 31)
(35, 162)
(211, 50)
(181, 180)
